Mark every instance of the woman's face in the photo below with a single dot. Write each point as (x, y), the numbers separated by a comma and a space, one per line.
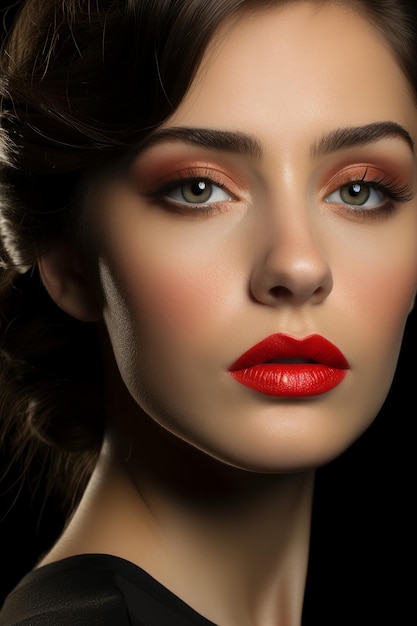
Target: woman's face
(290, 213)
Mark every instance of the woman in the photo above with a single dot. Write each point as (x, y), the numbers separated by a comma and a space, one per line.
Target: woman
(214, 197)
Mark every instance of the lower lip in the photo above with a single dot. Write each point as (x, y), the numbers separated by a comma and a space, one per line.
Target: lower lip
(290, 379)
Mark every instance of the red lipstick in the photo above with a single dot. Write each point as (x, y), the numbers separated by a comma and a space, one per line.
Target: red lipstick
(286, 366)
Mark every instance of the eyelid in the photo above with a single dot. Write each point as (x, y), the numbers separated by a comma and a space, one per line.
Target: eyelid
(374, 190)
(159, 188)
(204, 172)
(394, 191)
(371, 175)
(214, 190)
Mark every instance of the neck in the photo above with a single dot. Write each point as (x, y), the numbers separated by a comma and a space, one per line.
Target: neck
(231, 543)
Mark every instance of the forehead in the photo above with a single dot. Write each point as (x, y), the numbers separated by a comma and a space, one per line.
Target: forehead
(316, 63)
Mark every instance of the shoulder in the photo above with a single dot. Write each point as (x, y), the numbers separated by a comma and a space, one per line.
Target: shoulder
(79, 590)
(95, 590)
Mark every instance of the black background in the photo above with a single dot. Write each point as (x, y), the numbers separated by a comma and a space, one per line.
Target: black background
(364, 520)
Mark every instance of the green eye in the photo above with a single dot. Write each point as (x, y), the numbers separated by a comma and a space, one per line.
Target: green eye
(358, 194)
(198, 191)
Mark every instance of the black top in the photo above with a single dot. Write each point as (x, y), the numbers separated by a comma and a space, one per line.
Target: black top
(95, 589)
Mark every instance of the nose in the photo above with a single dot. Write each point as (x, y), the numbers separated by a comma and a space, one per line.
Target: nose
(290, 266)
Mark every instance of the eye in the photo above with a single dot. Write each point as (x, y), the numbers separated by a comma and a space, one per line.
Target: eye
(197, 191)
(358, 193)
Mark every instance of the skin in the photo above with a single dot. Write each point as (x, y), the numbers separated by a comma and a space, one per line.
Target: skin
(227, 481)
(185, 295)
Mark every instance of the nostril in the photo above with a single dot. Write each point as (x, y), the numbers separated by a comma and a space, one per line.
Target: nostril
(280, 292)
(321, 292)
(286, 276)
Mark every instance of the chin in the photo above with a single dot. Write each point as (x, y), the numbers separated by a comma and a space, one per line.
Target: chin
(275, 457)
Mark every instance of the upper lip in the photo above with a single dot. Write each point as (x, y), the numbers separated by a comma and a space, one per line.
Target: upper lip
(285, 348)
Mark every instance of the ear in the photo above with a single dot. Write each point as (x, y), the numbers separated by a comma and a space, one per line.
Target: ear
(69, 280)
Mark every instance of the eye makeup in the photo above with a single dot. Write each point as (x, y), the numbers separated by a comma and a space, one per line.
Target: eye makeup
(199, 181)
(196, 189)
(386, 189)
(188, 179)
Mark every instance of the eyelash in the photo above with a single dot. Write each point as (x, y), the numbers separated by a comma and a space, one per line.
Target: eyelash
(198, 208)
(389, 187)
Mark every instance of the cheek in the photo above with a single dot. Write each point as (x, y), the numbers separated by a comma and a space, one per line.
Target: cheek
(179, 299)
(186, 284)
(375, 279)
(389, 291)
(389, 300)
(166, 300)
(383, 290)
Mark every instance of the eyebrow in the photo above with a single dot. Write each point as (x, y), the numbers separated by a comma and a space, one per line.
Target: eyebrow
(247, 145)
(227, 141)
(359, 135)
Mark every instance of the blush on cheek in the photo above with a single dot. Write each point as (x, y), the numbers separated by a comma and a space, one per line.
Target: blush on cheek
(182, 291)
(175, 302)
(387, 304)
(176, 305)
(396, 290)
(384, 280)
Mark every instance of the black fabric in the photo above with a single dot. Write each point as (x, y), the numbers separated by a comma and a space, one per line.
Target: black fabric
(95, 589)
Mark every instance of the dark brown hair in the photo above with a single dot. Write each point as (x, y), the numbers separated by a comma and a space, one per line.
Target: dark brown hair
(82, 83)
